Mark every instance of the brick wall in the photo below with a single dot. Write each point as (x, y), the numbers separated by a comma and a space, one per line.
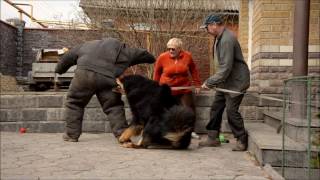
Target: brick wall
(272, 43)
(8, 48)
(244, 27)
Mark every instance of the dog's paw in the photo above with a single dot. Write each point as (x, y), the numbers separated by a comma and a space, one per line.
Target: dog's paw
(128, 145)
(125, 136)
(123, 139)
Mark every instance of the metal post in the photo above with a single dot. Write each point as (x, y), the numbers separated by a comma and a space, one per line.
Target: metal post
(309, 83)
(284, 106)
(300, 55)
(301, 37)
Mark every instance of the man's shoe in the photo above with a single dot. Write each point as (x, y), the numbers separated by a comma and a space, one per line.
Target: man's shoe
(242, 143)
(211, 140)
(239, 146)
(66, 137)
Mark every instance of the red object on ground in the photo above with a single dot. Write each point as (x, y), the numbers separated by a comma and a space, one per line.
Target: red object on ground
(22, 130)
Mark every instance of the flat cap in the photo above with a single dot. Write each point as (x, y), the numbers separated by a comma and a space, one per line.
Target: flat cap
(210, 19)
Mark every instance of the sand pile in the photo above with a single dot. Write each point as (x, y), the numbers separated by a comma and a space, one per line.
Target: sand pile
(9, 84)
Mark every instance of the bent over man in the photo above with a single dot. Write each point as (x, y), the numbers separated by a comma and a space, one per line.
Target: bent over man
(99, 63)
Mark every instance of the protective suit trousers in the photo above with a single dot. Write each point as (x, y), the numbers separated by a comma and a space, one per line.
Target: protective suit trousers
(83, 86)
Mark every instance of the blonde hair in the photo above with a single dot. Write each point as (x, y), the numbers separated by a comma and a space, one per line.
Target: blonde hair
(174, 43)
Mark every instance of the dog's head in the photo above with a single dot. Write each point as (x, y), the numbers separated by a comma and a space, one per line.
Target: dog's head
(131, 82)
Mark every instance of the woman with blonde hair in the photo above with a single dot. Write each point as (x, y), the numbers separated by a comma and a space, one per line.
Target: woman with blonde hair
(174, 68)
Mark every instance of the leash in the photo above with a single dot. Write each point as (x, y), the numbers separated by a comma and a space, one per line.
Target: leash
(254, 94)
(233, 92)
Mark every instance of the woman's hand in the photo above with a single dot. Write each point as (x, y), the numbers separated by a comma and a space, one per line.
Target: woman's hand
(197, 90)
(204, 86)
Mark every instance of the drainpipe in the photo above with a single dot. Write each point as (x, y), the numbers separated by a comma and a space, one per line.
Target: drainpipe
(300, 57)
(301, 37)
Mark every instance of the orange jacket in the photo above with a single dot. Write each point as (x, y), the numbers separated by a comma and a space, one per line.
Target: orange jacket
(175, 72)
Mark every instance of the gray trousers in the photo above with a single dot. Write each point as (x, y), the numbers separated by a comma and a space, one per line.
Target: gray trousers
(222, 101)
(83, 86)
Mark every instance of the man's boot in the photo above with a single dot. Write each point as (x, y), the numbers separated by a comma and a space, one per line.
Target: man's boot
(242, 143)
(212, 140)
(66, 137)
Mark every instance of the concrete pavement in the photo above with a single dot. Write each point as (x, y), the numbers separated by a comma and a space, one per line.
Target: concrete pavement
(99, 156)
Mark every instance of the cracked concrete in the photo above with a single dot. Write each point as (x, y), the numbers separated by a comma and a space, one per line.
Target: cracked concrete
(99, 156)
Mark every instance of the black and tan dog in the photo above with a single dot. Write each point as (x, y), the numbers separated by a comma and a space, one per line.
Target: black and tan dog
(156, 114)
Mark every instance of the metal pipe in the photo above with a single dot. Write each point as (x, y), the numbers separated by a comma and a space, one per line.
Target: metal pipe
(301, 38)
(24, 12)
(23, 4)
(300, 57)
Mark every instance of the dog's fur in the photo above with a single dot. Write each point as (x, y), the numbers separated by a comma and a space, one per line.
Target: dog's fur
(157, 114)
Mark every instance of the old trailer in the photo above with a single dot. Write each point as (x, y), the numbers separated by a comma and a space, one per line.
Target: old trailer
(42, 76)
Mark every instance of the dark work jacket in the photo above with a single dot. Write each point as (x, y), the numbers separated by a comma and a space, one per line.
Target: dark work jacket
(233, 72)
(109, 57)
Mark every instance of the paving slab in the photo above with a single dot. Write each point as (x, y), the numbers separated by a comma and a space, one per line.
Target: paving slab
(99, 156)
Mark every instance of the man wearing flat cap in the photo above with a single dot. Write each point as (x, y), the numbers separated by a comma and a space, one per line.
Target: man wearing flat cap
(233, 74)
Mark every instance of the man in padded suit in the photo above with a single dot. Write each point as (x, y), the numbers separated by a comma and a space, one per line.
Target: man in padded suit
(99, 63)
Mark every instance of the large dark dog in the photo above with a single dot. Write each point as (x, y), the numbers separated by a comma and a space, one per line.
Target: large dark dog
(157, 114)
